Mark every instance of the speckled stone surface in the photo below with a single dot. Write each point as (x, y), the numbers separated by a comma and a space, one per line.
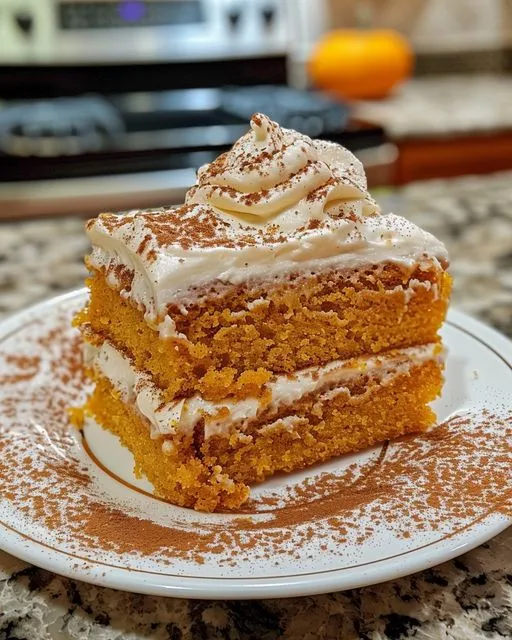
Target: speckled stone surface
(439, 105)
(469, 598)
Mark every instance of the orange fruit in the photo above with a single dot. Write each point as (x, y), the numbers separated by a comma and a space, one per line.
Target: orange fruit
(359, 64)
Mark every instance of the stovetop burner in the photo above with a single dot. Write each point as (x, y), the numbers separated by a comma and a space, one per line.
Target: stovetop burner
(104, 135)
(60, 127)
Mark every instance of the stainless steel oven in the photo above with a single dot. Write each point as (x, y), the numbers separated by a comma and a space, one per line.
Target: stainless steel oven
(111, 104)
(110, 31)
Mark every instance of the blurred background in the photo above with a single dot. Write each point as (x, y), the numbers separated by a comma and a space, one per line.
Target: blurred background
(108, 104)
(114, 104)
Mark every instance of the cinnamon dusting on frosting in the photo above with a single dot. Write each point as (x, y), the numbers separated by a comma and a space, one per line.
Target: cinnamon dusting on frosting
(275, 204)
(271, 170)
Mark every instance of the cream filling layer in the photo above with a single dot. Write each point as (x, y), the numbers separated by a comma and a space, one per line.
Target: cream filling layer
(181, 416)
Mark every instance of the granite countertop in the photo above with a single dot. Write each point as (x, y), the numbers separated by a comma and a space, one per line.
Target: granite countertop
(444, 105)
(469, 598)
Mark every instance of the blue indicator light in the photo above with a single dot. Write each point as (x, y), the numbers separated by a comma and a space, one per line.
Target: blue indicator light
(131, 10)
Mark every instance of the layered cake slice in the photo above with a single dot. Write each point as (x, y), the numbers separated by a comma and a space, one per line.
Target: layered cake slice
(275, 320)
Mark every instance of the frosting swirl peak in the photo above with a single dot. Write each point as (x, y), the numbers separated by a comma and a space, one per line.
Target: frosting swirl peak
(278, 175)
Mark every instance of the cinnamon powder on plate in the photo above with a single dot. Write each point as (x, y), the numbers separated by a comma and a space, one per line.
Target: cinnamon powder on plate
(444, 480)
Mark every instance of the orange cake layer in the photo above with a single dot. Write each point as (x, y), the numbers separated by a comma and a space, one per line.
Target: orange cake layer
(214, 473)
(231, 345)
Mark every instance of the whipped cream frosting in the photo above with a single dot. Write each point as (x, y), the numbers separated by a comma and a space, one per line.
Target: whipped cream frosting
(278, 175)
(181, 416)
(277, 203)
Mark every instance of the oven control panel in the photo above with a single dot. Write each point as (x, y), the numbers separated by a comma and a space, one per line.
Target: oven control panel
(115, 15)
(109, 31)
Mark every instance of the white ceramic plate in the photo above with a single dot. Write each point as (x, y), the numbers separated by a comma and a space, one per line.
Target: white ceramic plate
(70, 503)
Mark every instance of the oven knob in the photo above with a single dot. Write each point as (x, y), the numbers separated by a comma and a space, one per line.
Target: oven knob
(234, 17)
(25, 23)
(269, 16)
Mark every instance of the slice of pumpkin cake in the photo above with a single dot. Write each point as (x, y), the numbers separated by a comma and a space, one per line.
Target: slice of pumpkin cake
(274, 320)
